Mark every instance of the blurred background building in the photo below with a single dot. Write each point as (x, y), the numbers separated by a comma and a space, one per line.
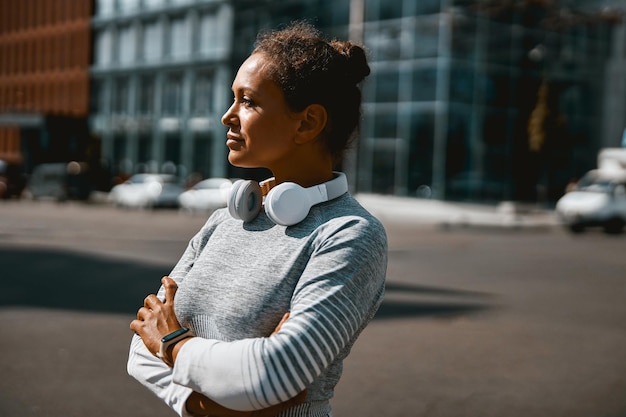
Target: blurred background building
(45, 54)
(481, 100)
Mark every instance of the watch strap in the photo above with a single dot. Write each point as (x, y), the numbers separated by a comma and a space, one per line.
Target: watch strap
(171, 339)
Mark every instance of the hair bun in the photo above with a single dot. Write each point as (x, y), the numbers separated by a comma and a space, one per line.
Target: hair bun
(355, 57)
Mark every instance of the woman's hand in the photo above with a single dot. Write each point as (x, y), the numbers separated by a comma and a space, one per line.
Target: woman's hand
(157, 319)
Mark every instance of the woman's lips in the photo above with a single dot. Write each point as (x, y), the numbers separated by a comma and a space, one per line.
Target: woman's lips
(234, 142)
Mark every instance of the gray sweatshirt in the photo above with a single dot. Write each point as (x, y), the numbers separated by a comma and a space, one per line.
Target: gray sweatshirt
(236, 280)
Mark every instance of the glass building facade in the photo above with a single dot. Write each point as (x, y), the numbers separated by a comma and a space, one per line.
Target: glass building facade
(468, 100)
(160, 81)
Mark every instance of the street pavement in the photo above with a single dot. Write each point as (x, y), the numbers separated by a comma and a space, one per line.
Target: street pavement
(489, 311)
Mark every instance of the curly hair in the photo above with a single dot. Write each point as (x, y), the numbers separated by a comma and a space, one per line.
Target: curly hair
(311, 70)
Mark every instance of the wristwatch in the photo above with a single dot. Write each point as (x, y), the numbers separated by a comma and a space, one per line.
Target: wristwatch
(172, 338)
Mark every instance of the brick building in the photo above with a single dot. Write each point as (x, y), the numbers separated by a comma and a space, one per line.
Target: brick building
(45, 55)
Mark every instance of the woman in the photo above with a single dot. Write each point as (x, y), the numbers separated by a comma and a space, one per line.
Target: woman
(264, 305)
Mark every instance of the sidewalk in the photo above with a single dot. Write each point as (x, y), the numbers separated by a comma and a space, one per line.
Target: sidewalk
(415, 211)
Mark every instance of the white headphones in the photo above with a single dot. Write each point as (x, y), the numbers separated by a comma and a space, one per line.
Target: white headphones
(285, 204)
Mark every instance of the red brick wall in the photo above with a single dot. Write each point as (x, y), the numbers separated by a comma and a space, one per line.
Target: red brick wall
(45, 49)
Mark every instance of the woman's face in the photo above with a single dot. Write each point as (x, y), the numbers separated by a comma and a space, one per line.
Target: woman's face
(261, 125)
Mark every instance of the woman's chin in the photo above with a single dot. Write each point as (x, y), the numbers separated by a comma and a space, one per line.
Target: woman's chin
(238, 161)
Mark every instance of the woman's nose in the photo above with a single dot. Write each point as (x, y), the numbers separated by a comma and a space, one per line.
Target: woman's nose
(229, 117)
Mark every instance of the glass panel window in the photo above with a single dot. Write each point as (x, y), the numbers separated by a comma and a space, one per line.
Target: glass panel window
(203, 93)
(128, 6)
(461, 84)
(426, 36)
(120, 100)
(173, 94)
(424, 84)
(383, 166)
(180, 38)
(425, 6)
(146, 95)
(144, 150)
(126, 44)
(153, 4)
(385, 125)
(390, 10)
(152, 46)
(105, 7)
(387, 84)
(202, 154)
(384, 41)
(172, 148)
(209, 38)
(421, 152)
(96, 104)
(333, 13)
(104, 47)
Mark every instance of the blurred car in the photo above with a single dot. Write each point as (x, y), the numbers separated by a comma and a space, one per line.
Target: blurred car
(12, 180)
(206, 195)
(58, 181)
(147, 191)
(599, 199)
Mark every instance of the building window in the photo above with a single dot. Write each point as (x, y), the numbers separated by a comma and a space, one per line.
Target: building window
(144, 152)
(126, 44)
(172, 148)
(202, 154)
(104, 44)
(96, 102)
(385, 125)
(425, 84)
(426, 37)
(387, 86)
(203, 93)
(173, 94)
(384, 41)
(120, 101)
(152, 41)
(180, 38)
(146, 95)
(105, 7)
(153, 4)
(209, 33)
(128, 6)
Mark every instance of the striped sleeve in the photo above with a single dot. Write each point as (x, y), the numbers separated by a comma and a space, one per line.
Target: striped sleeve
(338, 293)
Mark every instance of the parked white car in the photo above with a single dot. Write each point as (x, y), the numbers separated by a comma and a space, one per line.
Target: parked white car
(599, 199)
(147, 191)
(207, 195)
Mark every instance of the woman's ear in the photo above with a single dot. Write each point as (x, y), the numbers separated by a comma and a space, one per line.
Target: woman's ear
(312, 123)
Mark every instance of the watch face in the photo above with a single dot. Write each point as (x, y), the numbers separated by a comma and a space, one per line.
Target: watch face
(174, 334)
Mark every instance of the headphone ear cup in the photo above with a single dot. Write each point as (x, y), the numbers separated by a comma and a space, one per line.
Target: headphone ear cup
(245, 200)
(287, 204)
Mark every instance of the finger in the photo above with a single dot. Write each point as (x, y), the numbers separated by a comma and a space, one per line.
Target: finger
(280, 324)
(170, 289)
(152, 302)
(142, 313)
(135, 326)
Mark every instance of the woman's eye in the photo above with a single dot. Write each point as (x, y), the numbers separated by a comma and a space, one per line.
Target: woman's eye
(246, 101)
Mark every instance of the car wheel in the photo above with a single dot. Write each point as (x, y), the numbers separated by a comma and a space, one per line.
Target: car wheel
(576, 228)
(614, 226)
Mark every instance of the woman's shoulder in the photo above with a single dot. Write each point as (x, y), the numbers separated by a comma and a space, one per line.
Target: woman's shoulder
(347, 214)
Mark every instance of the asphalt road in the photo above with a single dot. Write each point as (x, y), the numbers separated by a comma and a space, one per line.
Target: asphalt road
(476, 322)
